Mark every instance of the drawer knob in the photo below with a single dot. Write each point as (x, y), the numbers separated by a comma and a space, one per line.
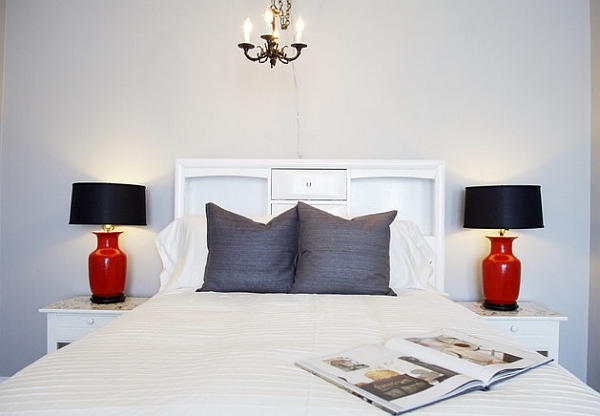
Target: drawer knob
(308, 184)
(90, 321)
(514, 328)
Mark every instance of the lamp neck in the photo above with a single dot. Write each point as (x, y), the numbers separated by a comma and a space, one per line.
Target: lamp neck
(108, 240)
(501, 244)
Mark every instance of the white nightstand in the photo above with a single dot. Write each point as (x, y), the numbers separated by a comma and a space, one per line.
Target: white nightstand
(70, 319)
(532, 324)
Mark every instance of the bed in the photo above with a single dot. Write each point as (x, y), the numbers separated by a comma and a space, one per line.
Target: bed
(230, 348)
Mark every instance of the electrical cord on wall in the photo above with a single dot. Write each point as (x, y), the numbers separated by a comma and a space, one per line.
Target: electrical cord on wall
(298, 141)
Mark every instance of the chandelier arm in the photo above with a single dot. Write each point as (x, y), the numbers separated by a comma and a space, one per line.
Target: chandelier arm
(262, 59)
(298, 47)
(282, 56)
(260, 55)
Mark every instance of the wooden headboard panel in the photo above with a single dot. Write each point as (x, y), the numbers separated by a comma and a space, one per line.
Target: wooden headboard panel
(415, 188)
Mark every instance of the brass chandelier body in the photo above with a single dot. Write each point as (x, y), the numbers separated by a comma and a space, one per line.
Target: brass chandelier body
(271, 51)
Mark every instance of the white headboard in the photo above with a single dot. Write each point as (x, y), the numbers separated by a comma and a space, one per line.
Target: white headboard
(415, 188)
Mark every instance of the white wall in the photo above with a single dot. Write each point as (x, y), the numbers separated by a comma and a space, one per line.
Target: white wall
(117, 90)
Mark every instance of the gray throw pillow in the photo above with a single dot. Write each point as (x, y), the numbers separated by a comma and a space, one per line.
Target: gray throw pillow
(342, 256)
(248, 256)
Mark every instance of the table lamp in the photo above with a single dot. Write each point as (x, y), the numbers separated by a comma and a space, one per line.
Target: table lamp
(502, 207)
(108, 204)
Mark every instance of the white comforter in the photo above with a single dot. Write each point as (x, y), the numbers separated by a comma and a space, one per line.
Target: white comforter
(187, 353)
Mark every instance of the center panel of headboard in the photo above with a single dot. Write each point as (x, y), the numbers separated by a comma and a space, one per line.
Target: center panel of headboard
(326, 189)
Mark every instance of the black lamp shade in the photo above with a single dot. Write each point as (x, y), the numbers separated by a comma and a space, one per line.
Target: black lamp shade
(503, 207)
(108, 203)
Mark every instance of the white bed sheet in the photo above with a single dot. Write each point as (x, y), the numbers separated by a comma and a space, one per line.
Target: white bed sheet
(187, 353)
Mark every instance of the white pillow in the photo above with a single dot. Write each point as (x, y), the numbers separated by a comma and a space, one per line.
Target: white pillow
(411, 257)
(183, 250)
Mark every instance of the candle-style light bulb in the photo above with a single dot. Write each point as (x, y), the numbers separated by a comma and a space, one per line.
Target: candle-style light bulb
(247, 30)
(269, 20)
(299, 29)
(268, 15)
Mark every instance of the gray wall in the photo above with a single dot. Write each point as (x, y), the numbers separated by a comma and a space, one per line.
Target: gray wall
(117, 90)
(594, 324)
(2, 19)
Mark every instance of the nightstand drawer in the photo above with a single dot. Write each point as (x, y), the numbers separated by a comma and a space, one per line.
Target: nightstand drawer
(67, 320)
(527, 328)
(64, 328)
(542, 336)
(309, 184)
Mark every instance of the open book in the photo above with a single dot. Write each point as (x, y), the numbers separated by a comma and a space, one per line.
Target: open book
(407, 373)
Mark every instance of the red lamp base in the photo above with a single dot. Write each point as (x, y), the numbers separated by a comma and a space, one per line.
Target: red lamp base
(501, 276)
(107, 269)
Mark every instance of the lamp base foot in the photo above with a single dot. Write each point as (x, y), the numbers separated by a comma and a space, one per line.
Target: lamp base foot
(110, 299)
(500, 307)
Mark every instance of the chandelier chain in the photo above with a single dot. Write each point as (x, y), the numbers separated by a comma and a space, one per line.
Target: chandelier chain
(284, 16)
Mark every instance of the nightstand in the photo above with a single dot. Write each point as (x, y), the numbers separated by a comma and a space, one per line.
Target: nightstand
(70, 319)
(532, 324)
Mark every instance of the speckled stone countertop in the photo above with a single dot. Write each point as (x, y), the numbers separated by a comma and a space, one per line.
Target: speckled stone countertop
(83, 303)
(525, 310)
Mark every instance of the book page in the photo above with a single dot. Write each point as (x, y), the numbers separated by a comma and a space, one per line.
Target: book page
(469, 355)
(395, 382)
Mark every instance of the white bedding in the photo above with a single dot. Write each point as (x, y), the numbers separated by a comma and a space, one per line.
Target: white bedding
(188, 353)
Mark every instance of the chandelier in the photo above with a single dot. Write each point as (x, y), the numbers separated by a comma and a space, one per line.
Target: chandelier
(271, 51)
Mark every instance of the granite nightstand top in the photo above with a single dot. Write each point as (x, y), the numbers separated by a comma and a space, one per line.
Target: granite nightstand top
(83, 303)
(525, 310)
